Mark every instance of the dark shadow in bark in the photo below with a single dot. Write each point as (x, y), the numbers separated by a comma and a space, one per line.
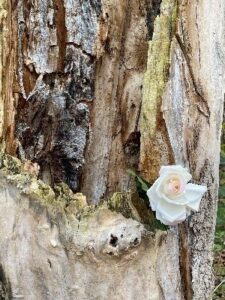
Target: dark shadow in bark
(5, 287)
(153, 12)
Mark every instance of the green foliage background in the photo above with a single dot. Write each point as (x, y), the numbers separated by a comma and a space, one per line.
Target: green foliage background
(219, 244)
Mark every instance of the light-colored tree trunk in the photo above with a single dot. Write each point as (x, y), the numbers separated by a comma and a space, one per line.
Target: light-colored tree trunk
(90, 89)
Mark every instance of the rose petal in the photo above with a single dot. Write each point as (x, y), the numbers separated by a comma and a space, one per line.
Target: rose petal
(194, 205)
(161, 219)
(193, 194)
(153, 197)
(159, 184)
(179, 200)
(173, 208)
(166, 222)
(171, 212)
(176, 169)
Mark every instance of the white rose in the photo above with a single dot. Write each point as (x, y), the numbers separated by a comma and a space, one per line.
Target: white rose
(172, 197)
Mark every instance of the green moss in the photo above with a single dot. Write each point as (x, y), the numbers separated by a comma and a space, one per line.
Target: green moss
(19, 180)
(27, 182)
(3, 9)
(14, 171)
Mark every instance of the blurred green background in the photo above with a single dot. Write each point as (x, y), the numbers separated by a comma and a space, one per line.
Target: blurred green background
(219, 244)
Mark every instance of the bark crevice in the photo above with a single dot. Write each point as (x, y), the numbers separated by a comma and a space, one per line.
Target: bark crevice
(153, 12)
(61, 32)
(5, 287)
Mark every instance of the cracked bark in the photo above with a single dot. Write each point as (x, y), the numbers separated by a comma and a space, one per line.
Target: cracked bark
(90, 89)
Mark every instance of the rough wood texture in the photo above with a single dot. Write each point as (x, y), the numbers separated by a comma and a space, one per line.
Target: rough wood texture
(56, 42)
(78, 82)
(53, 246)
(155, 147)
(192, 108)
(114, 138)
(8, 91)
(3, 16)
(80, 72)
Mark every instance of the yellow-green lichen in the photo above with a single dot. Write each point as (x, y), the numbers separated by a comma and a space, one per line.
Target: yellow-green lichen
(130, 205)
(155, 147)
(63, 191)
(158, 63)
(17, 174)
(11, 163)
(41, 191)
(62, 200)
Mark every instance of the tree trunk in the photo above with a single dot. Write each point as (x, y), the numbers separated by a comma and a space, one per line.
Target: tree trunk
(90, 89)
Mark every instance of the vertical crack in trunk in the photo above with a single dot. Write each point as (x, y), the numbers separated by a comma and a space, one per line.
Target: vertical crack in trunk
(193, 103)
(185, 261)
(53, 127)
(156, 147)
(61, 32)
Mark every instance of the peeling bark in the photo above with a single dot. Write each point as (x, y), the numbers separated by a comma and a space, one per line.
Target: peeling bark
(116, 108)
(63, 85)
(56, 75)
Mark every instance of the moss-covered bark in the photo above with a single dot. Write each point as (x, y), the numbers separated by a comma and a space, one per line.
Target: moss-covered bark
(61, 198)
(155, 145)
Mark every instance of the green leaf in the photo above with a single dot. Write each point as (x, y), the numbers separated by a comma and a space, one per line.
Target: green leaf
(158, 225)
(142, 183)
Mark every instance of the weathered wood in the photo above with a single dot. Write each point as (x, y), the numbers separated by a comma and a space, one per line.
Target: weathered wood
(189, 97)
(155, 149)
(56, 75)
(114, 138)
(54, 246)
(192, 106)
(85, 112)
(8, 90)
(193, 109)
(82, 91)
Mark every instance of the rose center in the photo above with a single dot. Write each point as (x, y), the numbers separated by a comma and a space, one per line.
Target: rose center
(174, 186)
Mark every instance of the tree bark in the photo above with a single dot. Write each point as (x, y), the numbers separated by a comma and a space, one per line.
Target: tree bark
(90, 89)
